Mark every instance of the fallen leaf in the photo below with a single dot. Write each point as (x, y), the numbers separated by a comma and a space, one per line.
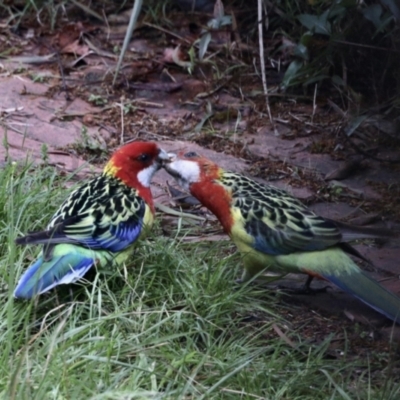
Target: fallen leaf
(175, 56)
(75, 48)
(345, 170)
(366, 219)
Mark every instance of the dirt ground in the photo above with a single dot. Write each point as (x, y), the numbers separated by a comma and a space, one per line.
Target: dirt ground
(58, 106)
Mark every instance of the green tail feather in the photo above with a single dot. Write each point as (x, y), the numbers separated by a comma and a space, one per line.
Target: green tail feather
(337, 267)
(67, 264)
(369, 291)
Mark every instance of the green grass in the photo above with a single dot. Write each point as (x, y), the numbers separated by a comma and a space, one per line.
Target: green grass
(170, 326)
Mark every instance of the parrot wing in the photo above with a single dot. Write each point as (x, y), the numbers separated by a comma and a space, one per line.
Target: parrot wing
(110, 220)
(285, 229)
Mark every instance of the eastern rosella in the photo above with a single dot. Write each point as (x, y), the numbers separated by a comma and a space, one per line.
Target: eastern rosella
(97, 223)
(274, 230)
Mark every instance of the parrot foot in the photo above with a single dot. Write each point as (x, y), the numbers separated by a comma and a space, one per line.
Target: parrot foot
(306, 290)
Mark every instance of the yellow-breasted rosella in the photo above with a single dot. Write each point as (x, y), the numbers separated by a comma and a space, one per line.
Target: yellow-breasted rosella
(274, 230)
(97, 224)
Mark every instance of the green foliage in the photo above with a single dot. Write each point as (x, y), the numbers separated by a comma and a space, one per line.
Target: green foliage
(97, 100)
(171, 325)
(219, 20)
(90, 144)
(341, 42)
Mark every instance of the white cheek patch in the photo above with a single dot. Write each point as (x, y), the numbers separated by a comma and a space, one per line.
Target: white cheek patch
(189, 172)
(145, 175)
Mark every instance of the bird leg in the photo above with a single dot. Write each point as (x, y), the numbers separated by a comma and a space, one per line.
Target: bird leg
(306, 288)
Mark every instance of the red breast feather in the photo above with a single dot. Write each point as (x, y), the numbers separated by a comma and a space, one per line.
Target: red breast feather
(210, 192)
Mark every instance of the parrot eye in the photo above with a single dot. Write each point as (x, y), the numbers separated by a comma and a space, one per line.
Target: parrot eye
(144, 157)
(191, 154)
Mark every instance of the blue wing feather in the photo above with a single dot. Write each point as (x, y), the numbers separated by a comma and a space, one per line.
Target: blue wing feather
(95, 218)
(116, 238)
(286, 232)
(275, 241)
(271, 247)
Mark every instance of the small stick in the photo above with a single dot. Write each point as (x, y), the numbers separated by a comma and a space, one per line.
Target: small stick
(262, 62)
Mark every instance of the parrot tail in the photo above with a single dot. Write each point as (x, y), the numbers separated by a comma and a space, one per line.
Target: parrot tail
(66, 264)
(337, 267)
(369, 291)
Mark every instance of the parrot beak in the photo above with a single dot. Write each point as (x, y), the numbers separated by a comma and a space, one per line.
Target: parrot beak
(168, 158)
(184, 171)
(162, 157)
(167, 165)
(170, 165)
(172, 157)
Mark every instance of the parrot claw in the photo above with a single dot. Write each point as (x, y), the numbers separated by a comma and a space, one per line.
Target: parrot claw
(306, 288)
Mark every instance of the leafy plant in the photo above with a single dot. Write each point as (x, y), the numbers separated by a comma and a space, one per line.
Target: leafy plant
(93, 144)
(98, 100)
(220, 20)
(333, 27)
